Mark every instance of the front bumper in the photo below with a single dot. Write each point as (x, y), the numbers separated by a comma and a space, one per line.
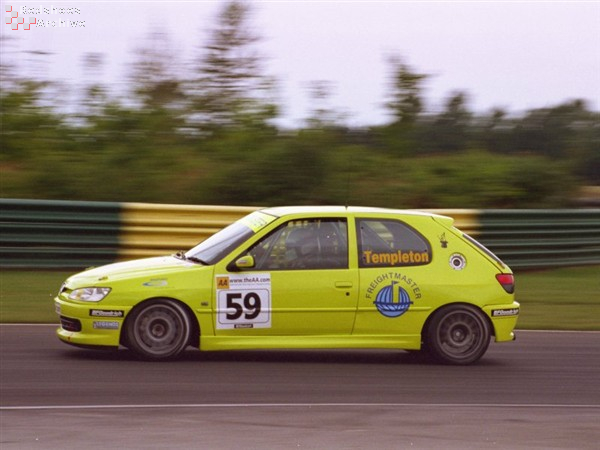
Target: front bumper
(89, 324)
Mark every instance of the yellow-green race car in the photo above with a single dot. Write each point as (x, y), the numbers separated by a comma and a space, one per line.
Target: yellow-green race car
(302, 277)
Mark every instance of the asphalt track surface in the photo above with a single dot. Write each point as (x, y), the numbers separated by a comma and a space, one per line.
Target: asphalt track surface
(541, 391)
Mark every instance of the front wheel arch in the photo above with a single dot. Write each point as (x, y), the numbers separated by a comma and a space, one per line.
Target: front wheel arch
(193, 338)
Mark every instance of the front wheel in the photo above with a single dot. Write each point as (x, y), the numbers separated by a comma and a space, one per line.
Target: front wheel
(458, 334)
(158, 330)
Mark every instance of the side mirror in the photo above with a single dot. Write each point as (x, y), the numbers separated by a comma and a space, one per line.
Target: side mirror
(245, 262)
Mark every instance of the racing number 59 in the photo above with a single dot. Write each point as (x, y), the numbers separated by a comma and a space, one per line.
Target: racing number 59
(244, 308)
(250, 302)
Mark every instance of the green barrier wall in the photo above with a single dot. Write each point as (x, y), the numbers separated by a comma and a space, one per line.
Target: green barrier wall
(150, 229)
(58, 234)
(38, 234)
(542, 238)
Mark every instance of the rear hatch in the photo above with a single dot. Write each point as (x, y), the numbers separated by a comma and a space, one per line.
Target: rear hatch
(448, 223)
(505, 276)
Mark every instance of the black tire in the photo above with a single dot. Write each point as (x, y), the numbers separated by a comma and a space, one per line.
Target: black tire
(458, 334)
(158, 330)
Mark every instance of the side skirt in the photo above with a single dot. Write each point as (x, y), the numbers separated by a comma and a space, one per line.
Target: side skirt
(405, 342)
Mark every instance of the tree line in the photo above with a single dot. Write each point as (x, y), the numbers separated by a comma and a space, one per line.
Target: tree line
(209, 137)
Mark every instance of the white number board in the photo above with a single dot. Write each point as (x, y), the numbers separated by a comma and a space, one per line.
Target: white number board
(243, 301)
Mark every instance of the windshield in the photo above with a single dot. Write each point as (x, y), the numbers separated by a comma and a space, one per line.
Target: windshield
(219, 245)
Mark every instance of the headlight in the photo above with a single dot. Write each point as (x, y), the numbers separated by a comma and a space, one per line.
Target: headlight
(90, 294)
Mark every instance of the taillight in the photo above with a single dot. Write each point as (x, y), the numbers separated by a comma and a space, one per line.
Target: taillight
(507, 281)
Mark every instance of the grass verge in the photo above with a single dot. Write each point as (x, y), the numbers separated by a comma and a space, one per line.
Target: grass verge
(27, 296)
(559, 299)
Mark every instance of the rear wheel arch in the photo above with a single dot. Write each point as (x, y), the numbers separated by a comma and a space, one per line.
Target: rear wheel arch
(468, 305)
(471, 319)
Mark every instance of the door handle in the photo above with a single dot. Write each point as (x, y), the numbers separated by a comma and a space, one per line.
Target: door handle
(343, 284)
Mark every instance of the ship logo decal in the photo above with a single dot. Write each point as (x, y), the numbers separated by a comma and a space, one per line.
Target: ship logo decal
(392, 300)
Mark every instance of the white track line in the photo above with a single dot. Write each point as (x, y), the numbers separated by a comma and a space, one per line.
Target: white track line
(300, 405)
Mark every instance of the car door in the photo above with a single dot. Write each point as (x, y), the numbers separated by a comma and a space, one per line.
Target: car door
(395, 272)
(299, 283)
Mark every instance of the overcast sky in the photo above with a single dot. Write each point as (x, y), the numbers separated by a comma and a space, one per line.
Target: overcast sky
(509, 54)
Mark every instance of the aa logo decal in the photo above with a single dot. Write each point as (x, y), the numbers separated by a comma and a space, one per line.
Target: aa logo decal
(222, 282)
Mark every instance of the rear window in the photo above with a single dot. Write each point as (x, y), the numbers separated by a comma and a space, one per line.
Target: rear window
(484, 249)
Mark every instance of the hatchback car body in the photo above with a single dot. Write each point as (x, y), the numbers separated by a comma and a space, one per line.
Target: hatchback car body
(302, 277)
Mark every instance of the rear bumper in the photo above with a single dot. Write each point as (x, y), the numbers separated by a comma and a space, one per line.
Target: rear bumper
(504, 320)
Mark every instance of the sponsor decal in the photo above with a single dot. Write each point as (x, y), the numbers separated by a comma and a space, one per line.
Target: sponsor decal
(395, 258)
(156, 283)
(106, 325)
(106, 313)
(390, 293)
(505, 312)
(223, 282)
(443, 241)
(458, 261)
(391, 302)
(243, 301)
(257, 221)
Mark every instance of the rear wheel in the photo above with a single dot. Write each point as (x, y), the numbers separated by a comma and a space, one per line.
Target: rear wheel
(158, 329)
(458, 334)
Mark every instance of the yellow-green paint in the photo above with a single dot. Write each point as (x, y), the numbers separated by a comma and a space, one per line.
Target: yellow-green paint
(309, 308)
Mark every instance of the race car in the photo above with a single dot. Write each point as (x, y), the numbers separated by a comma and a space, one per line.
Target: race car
(300, 278)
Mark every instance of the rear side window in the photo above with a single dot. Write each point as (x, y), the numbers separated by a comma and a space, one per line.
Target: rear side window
(390, 243)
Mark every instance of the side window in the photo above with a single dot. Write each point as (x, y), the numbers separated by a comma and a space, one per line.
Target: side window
(303, 244)
(388, 243)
